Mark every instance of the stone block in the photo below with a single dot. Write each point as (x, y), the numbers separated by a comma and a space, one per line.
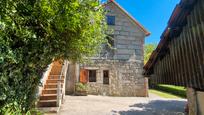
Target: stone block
(125, 51)
(125, 28)
(123, 42)
(127, 23)
(138, 52)
(124, 33)
(136, 43)
(120, 37)
(118, 27)
(137, 34)
(131, 38)
(138, 47)
(123, 57)
(118, 22)
(122, 46)
(133, 29)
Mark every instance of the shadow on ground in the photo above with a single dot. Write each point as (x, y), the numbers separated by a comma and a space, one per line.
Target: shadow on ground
(156, 107)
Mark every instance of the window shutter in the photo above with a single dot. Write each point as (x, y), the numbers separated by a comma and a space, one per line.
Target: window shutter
(83, 76)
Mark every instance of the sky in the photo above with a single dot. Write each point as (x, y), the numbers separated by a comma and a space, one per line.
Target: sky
(152, 14)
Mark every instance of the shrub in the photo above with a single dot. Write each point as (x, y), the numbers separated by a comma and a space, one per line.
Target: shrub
(33, 33)
(81, 87)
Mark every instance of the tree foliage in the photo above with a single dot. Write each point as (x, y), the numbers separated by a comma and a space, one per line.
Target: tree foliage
(149, 48)
(33, 33)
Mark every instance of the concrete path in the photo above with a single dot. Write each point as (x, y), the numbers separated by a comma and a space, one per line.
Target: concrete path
(103, 105)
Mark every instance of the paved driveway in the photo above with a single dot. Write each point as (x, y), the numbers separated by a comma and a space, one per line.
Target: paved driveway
(102, 105)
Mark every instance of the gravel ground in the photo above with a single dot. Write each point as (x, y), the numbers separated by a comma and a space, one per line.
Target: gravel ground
(103, 105)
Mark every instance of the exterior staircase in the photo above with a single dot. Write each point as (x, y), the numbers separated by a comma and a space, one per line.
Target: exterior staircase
(53, 91)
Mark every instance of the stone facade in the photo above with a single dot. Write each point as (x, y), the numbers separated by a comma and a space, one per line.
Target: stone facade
(125, 78)
(124, 62)
(128, 37)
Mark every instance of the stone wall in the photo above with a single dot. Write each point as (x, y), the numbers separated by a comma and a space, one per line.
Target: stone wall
(195, 101)
(200, 100)
(191, 96)
(71, 78)
(125, 78)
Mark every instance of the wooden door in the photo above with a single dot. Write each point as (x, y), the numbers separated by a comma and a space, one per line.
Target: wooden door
(83, 76)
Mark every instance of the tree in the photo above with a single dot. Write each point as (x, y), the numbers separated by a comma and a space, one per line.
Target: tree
(149, 48)
(33, 33)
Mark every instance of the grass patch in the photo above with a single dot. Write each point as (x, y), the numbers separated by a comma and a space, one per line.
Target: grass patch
(171, 89)
(164, 94)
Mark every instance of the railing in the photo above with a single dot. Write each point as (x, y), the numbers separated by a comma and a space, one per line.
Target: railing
(60, 88)
(44, 78)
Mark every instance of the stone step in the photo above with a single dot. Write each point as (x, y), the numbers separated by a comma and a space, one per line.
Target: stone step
(49, 91)
(47, 103)
(49, 110)
(48, 97)
(51, 85)
(55, 72)
(54, 81)
(55, 77)
(56, 66)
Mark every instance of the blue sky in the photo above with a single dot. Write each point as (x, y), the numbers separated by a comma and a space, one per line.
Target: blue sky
(152, 14)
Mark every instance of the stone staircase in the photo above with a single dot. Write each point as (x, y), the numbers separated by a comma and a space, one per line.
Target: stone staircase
(53, 89)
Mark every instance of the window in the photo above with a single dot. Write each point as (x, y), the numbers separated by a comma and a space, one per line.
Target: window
(111, 20)
(92, 75)
(105, 77)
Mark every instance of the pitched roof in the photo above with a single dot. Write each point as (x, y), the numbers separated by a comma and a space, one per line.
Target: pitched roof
(147, 33)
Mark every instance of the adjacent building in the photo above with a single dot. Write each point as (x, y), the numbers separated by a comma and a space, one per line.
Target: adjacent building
(179, 57)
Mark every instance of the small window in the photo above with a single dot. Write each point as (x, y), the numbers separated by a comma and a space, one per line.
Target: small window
(105, 77)
(111, 20)
(92, 75)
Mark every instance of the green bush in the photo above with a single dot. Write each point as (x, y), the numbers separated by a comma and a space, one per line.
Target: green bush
(33, 33)
(16, 110)
(81, 87)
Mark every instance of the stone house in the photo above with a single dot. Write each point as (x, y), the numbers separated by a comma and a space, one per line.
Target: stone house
(116, 71)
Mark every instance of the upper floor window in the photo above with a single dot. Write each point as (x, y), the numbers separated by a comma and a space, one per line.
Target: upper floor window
(111, 20)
